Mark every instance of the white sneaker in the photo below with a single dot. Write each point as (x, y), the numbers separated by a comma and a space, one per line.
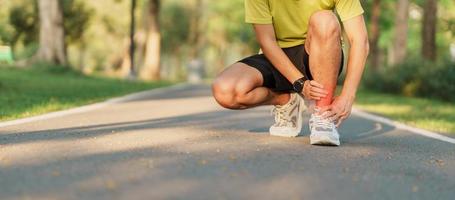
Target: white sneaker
(288, 118)
(323, 131)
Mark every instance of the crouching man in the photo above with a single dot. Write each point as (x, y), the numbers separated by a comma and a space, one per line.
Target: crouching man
(301, 60)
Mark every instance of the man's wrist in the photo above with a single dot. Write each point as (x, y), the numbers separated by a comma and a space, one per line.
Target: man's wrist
(351, 95)
(299, 84)
(296, 77)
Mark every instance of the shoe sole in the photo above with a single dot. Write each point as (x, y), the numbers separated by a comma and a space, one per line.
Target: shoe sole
(296, 132)
(324, 141)
(285, 134)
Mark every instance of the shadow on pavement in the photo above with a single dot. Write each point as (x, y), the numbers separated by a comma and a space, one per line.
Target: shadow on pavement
(164, 170)
(187, 91)
(252, 121)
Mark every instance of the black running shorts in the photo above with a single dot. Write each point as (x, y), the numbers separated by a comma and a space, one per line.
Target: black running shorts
(273, 79)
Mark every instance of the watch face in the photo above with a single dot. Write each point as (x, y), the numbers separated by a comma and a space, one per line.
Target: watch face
(298, 86)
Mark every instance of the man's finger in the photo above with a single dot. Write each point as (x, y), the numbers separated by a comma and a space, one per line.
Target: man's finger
(319, 90)
(341, 120)
(315, 98)
(316, 94)
(345, 114)
(336, 116)
(338, 123)
(310, 96)
(316, 84)
(329, 114)
(339, 114)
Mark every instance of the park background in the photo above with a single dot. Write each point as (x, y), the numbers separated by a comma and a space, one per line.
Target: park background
(84, 56)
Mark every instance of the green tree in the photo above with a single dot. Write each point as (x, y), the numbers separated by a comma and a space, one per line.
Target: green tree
(429, 30)
(399, 46)
(151, 67)
(52, 46)
(24, 20)
(77, 18)
(375, 34)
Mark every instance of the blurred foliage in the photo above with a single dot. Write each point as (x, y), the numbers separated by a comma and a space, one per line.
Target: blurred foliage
(225, 36)
(24, 19)
(24, 22)
(77, 17)
(415, 77)
(98, 31)
(175, 26)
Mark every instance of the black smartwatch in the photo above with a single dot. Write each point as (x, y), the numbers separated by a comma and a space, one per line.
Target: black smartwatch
(298, 84)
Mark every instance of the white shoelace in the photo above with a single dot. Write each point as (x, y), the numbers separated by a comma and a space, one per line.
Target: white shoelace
(281, 117)
(319, 121)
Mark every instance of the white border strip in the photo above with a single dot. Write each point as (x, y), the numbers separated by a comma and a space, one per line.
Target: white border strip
(90, 107)
(398, 125)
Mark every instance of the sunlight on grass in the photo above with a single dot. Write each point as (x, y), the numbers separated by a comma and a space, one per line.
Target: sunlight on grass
(422, 113)
(33, 91)
(50, 106)
(387, 109)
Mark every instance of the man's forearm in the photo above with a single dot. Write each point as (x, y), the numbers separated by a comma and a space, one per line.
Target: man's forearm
(356, 63)
(279, 59)
(265, 35)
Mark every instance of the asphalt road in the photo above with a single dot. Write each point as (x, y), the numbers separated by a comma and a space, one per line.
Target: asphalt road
(179, 144)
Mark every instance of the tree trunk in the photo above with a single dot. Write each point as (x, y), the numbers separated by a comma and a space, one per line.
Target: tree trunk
(132, 72)
(401, 32)
(429, 30)
(52, 36)
(151, 68)
(375, 32)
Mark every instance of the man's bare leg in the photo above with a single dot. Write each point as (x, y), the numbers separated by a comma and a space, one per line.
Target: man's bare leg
(324, 48)
(240, 87)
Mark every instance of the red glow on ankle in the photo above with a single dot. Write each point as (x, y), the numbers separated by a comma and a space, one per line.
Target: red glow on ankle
(326, 101)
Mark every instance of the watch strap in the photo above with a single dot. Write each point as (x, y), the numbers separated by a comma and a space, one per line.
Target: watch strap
(298, 84)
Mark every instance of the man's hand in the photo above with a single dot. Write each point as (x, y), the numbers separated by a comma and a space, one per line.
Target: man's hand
(313, 90)
(339, 110)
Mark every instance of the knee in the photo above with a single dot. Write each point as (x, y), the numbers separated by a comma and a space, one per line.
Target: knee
(231, 94)
(325, 25)
(224, 93)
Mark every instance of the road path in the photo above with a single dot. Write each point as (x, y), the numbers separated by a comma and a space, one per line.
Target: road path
(177, 143)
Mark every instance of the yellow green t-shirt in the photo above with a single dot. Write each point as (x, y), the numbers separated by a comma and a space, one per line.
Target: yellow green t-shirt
(290, 17)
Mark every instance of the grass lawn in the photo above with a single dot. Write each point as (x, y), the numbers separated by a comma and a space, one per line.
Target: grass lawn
(418, 112)
(33, 91)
